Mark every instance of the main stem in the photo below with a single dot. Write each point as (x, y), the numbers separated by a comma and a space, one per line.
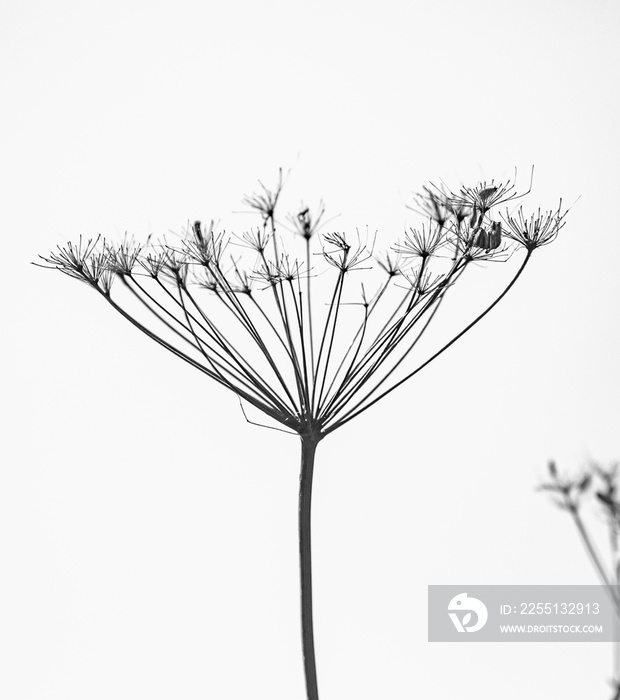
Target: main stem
(308, 451)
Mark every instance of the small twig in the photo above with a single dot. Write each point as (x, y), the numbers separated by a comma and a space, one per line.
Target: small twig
(262, 425)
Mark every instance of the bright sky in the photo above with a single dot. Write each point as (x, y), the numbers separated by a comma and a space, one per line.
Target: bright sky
(148, 533)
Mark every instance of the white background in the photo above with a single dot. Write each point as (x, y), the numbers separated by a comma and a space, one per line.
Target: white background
(147, 533)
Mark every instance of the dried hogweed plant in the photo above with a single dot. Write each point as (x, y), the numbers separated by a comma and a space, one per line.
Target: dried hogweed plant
(241, 309)
(596, 488)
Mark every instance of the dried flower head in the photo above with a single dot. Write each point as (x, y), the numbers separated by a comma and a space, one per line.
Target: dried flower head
(343, 256)
(488, 238)
(306, 223)
(567, 491)
(122, 259)
(85, 261)
(422, 242)
(534, 231)
(265, 201)
(390, 263)
(485, 196)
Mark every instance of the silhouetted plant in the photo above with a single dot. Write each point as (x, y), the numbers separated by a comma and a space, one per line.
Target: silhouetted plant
(254, 326)
(598, 487)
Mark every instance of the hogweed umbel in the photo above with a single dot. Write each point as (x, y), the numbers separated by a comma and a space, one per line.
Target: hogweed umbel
(240, 309)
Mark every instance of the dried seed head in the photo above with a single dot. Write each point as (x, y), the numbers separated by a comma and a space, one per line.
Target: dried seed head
(305, 223)
(489, 239)
(536, 231)
(266, 200)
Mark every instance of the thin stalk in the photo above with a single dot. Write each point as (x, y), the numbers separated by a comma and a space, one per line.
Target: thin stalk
(592, 553)
(232, 304)
(386, 352)
(413, 297)
(265, 408)
(224, 364)
(245, 367)
(600, 569)
(253, 382)
(324, 411)
(299, 313)
(346, 394)
(369, 307)
(309, 304)
(199, 344)
(331, 345)
(379, 347)
(386, 341)
(283, 312)
(615, 564)
(308, 450)
(155, 313)
(359, 408)
(337, 287)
